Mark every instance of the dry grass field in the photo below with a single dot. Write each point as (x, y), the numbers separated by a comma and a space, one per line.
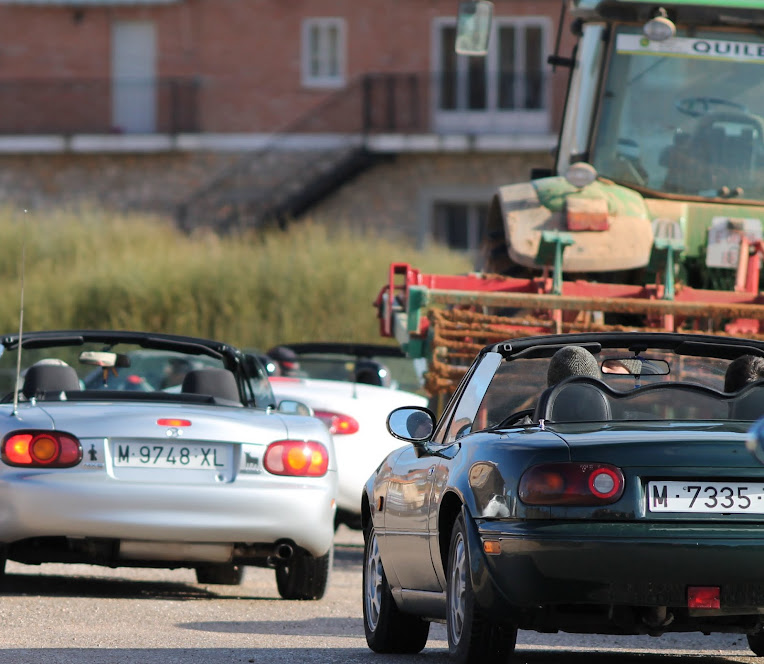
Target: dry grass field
(87, 268)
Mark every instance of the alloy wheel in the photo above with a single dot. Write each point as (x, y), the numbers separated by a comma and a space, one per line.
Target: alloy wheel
(373, 590)
(458, 589)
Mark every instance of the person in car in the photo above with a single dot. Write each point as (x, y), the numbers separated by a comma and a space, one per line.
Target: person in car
(571, 361)
(743, 370)
(287, 361)
(568, 361)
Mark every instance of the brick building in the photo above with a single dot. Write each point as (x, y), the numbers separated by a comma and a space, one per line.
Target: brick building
(238, 111)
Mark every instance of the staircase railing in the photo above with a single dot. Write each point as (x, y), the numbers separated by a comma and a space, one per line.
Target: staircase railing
(339, 124)
(335, 131)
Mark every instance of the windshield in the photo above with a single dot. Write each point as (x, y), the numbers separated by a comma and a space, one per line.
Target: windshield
(86, 371)
(382, 370)
(517, 385)
(682, 116)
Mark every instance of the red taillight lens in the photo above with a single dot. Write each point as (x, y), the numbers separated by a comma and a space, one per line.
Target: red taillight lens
(173, 422)
(41, 449)
(704, 597)
(337, 423)
(296, 457)
(571, 484)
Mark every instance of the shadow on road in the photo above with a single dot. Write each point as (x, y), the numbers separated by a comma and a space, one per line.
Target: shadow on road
(94, 587)
(77, 586)
(349, 627)
(347, 558)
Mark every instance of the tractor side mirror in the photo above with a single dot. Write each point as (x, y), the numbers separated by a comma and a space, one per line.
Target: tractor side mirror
(473, 27)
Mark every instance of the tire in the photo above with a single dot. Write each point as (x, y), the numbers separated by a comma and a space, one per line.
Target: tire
(304, 576)
(756, 643)
(472, 637)
(351, 520)
(223, 574)
(388, 629)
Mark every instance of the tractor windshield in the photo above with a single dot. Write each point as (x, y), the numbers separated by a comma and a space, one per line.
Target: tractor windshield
(684, 116)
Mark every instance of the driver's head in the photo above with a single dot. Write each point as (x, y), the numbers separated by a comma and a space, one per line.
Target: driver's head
(743, 370)
(571, 361)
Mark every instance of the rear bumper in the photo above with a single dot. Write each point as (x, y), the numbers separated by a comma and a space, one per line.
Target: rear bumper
(638, 564)
(89, 506)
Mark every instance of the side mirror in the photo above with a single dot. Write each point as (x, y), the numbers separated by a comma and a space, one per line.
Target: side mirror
(411, 423)
(290, 407)
(473, 27)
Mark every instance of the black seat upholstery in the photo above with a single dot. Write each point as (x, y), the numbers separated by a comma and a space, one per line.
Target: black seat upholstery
(218, 383)
(749, 403)
(576, 399)
(42, 379)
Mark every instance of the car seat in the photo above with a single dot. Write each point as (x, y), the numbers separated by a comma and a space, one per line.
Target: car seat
(218, 383)
(749, 403)
(575, 399)
(44, 379)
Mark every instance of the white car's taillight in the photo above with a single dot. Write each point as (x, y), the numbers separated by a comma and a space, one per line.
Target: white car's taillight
(337, 423)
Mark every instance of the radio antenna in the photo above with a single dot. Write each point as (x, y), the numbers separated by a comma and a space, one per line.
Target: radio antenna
(21, 318)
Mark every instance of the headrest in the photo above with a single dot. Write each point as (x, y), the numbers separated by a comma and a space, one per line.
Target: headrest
(576, 399)
(372, 373)
(42, 378)
(749, 403)
(219, 383)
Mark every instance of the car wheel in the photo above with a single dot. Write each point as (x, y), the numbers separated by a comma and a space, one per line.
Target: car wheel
(471, 636)
(223, 574)
(304, 576)
(756, 643)
(388, 630)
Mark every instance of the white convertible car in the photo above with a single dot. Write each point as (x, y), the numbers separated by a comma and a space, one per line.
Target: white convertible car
(155, 450)
(353, 388)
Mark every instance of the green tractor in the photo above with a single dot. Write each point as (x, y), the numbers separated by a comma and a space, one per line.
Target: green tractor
(661, 148)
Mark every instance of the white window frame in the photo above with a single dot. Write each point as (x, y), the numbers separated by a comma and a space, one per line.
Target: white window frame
(324, 79)
(491, 119)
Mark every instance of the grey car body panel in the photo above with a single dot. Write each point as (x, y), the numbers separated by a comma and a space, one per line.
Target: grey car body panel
(232, 510)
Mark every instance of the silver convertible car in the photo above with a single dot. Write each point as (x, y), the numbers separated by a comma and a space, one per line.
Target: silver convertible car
(125, 448)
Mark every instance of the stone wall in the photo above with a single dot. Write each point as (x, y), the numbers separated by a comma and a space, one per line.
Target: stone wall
(392, 196)
(389, 196)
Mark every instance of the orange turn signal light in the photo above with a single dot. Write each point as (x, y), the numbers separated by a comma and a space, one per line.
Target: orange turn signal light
(492, 547)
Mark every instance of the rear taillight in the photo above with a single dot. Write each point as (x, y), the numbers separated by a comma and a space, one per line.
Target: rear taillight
(41, 449)
(296, 457)
(571, 483)
(337, 423)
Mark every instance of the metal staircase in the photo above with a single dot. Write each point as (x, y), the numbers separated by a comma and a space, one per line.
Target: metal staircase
(280, 181)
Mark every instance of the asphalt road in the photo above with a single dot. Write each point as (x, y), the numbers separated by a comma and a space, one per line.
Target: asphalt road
(76, 614)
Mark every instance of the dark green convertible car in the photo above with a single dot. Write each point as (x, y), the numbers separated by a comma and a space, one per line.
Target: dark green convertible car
(590, 483)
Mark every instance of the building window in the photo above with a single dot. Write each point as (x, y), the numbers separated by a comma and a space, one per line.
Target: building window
(459, 226)
(323, 52)
(506, 89)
